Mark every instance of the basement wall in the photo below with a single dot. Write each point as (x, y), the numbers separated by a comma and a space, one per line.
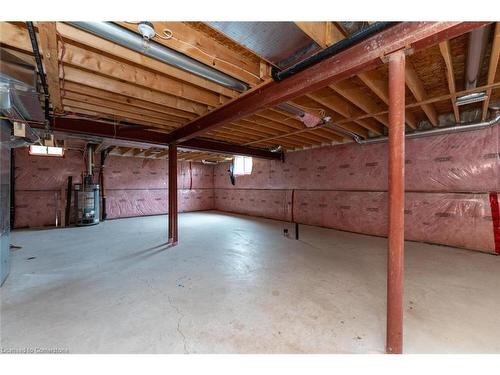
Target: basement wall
(134, 186)
(448, 182)
(138, 186)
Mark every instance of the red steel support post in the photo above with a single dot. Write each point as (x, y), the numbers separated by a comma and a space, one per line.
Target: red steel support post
(395, 262)
(172, 194)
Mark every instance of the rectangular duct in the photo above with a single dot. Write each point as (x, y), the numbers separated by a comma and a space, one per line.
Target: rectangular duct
(18, 94)
(19, 99)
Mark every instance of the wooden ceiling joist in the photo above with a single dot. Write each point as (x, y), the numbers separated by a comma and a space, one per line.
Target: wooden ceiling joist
(161, 154)
(353, 60)
(120, 113)
(126, 151)
(324, 33)
(418, 90)
(125, 100)
(291, 135)
(379, 86)
(123, 107)
(48, 44)
(100, 79)
(101, 45)
(275, 123)
(103, 65)
(16, 36)
(134, 134)
(357, 97)
(341, 106)
(124, 88)
(328, 33)
(295, 142)
(444, 47)
(241, 134)
(201, 47)
(492, 68)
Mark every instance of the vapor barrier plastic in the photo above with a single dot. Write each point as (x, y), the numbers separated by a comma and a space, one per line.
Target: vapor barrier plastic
(134, 186)
(448, 181)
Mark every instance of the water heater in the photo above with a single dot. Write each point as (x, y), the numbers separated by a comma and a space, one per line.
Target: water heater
(87, 195)
(87, 204)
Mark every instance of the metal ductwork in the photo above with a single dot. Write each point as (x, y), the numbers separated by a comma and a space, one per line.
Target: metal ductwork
(210, 162)
(478, 39)
(19, 101)
(344, 131)
(440, 131)
(133, 41)
(18, 93)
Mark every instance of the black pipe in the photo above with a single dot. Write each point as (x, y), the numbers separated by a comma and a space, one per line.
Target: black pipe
(296, 231)
(39, 66)
(69, 191)
(352, 39)
(104, 214)
(12, 189)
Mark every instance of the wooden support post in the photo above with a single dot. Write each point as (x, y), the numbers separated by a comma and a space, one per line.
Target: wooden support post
(172, 194)
(395, 263)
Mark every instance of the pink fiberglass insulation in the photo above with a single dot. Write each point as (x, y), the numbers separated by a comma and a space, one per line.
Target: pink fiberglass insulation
(134, 186)
(467, 161)
(448, 179)
(454, 219)
(138, 186)
(39, 183)
(128, 203)
(46, 172)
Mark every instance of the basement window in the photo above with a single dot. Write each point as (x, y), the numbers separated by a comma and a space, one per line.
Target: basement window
(46, 151)
(242, 165)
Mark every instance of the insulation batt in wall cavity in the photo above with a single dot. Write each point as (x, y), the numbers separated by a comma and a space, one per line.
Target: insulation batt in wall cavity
(38, 184)
(448, 181)
(138, 186)
(134, 186)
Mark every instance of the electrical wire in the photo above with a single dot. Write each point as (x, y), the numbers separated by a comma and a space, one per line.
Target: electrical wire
(319, 111)
(61, 66)
(167, 34)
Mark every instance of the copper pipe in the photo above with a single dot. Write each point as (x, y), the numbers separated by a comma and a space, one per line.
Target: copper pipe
(395, 260)
(172, 194)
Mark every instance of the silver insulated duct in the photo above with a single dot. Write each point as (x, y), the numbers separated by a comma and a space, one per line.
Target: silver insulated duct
(18, 94)
(478, 39)
(439, 131)
(133, 41)
(19, 100)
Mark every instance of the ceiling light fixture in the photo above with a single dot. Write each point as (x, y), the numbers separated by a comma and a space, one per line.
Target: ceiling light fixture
(146, 29)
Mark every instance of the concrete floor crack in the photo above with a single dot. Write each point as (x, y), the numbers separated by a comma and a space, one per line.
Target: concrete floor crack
(186, 351)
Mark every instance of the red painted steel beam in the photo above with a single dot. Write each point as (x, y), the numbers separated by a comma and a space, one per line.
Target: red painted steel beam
(173, 232)
(362, 56)
(130, 132)
(395, 262)
(136, 133)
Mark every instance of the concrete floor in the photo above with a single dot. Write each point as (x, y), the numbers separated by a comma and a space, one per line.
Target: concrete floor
(234, 284)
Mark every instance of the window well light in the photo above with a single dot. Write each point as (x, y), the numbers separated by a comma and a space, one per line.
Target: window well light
(242, 165)
(46, 151)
